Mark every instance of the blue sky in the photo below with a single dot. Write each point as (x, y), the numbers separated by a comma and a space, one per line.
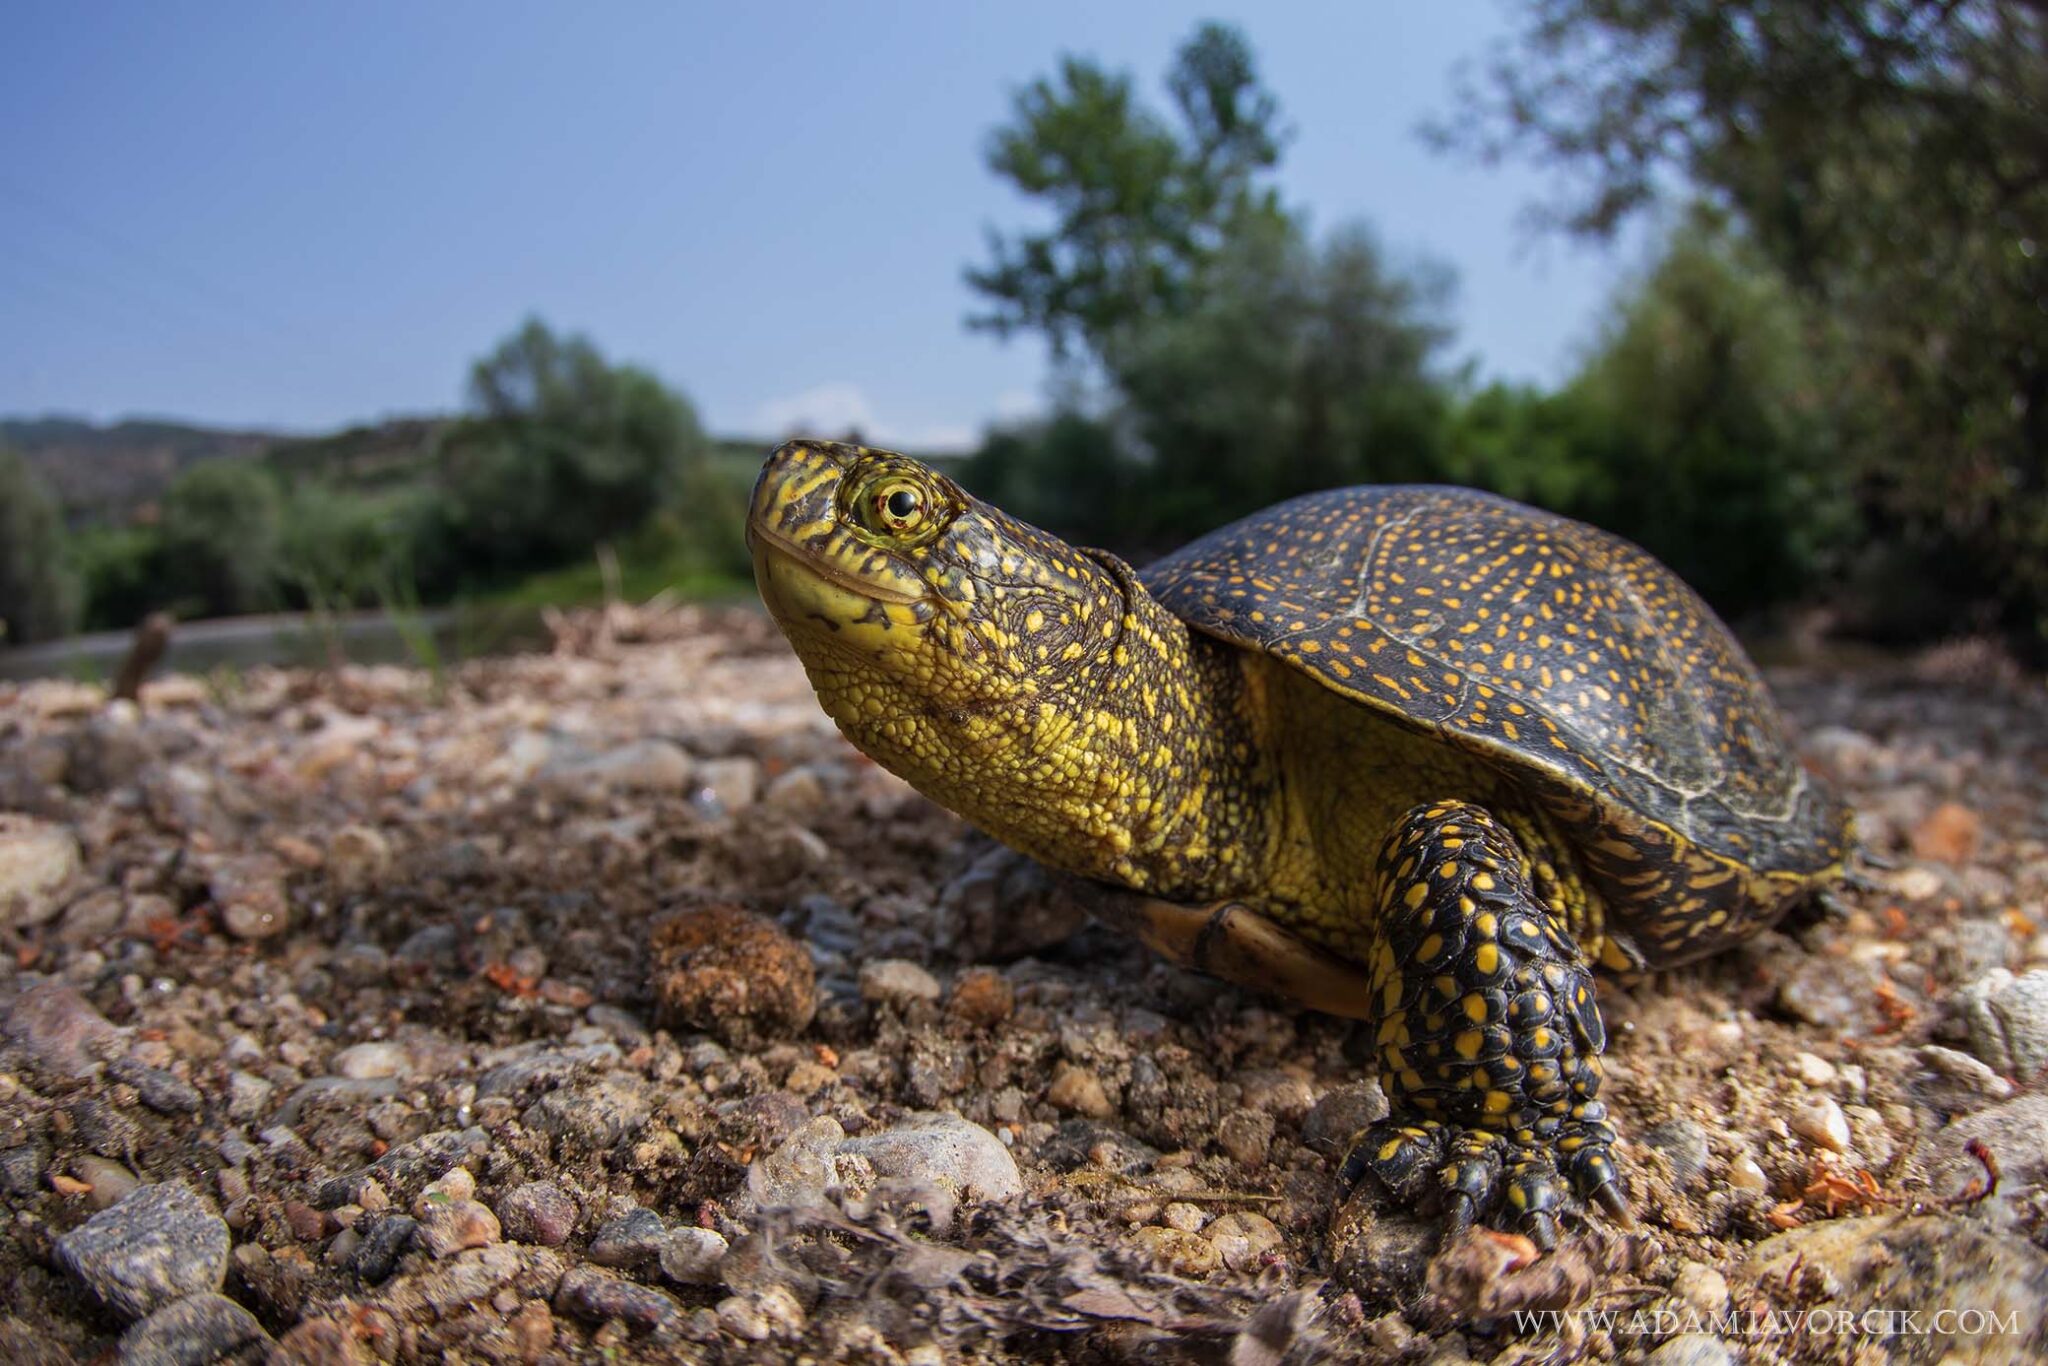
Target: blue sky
(304, 215)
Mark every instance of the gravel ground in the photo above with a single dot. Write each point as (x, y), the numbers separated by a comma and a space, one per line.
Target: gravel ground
(606, 1005)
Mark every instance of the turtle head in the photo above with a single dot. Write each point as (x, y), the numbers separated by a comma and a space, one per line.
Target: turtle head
(876, 565)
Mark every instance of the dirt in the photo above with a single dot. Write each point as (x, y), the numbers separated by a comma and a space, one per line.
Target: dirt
(606, 1005)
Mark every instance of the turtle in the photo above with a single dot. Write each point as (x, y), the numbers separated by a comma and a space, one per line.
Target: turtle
(1416, 755)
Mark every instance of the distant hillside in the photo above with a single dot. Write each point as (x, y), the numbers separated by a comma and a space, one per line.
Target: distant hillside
(105, 472)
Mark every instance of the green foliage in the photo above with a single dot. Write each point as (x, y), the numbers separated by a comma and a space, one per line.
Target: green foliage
(39, 590)
(220, 539)
(122, 569)
(1069, 473)
(1888, 159)
(562, 451)
(1141, 207)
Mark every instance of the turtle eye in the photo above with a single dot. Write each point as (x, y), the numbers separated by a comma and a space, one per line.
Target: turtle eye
(895, 508)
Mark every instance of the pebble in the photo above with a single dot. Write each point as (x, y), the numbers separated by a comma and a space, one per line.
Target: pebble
(1246, 1135)
(538, 1212)
(798, 792)
(1683, 1144)
(732, 974)
(1183, 1216)
(1184, 1254)
(159, 1244)
(1005, 906)
(249, 894)
(60, 1029)
(1242, 1239)
(2015, 1132)
(648, 766)
(358, 858)
(799, 1169)
(1745, 1175)
(897, 982)
(1953, 1080)
(690, 1255)
(1812, 1069)
(732, 784)
(1335, 1122)
(383, 1245)
(195, 1331)
(1280, 1093)
(451, 1219)
(2007, 1020)
(1950, 834)
(1079, 1091)
(1691, 1349)
(634, 1239)
(363, 1061)
(982, 997)
(162, 1091)
(111, 1182)
(36, 860)
(1701, 1287)
(1821, 1121)
(22, 1168)
(595, 1296)
(960, 1157)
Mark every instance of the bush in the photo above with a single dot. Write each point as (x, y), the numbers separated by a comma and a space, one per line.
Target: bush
(39, 590)
(221, 540)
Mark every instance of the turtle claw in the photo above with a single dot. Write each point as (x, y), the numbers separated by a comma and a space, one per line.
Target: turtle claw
(1542, 1231)
(1610, 1199)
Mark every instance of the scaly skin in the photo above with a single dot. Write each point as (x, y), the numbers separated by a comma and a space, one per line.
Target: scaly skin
(1045, 694)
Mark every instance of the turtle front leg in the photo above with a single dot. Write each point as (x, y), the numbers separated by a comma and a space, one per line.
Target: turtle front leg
(1488, 1033)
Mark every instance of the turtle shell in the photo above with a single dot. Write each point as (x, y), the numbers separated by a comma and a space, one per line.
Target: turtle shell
(1563, 655)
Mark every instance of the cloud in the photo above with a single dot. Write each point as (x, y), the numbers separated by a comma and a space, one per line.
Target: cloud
(840, 407)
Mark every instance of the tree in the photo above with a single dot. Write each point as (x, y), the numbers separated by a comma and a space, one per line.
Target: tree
(1141, 207)
(39, 593)
(1299, 367)
(1887, 157)
(219, 539)
(561, 452)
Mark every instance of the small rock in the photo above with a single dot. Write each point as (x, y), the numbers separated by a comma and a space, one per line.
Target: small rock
(249, 893)
(162, 1091)
(982, 997)
(22, 1168)
(1280, 1093)
(60, 1029)
(690, 1255)
(358, 858)
(1745, 1175)
(1183, 1254)
(537, 1212)
(1701, 1287)
(1334, 1123)
(897, 982)
(324, 1342)
(733, 974)
(1242, 1240)
(1812, 1069)
(961, 1158)
(595, 1296)
(363, 1061)
(1006, 906)
(1955, 1081)
(634, 1239)
(111, 1182)
(1950, 834)
(1246, 1135)
(2015, 1133)
(195, 1331)
(1183, 1216)
(1691, 1349)
(797, 792)
(798, 1171)
(1821, 1121)
(2007, 1018)
(159, 1244)
(451, 1219)
(94, 917)
(729, 784)
(1079, 1091)
(1683, 1144)
(383, 1245)
(36, 860)
(651, 766)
